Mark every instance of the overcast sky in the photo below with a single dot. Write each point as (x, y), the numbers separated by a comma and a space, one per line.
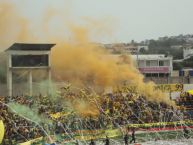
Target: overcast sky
(130, 19)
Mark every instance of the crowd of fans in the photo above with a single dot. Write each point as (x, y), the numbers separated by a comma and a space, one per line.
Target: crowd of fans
(17, 129)
(117, 109)
(137, 109)
(185, 103)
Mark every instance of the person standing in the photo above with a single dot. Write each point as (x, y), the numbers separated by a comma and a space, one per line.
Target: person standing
(92, 142)
(77, 142)
(186, 133)
(133, 136)
(126, 138)
(107, 141)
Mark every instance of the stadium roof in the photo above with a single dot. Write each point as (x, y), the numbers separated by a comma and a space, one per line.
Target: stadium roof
(143, 57)
(29, 47)
(151, 56)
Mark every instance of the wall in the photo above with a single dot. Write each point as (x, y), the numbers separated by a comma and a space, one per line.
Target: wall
(22, 88)
(170, 80)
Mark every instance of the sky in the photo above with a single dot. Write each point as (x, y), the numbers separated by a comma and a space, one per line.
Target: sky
(125, 20)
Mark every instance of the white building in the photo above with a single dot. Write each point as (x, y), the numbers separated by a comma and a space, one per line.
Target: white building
(187, 51)
(154, 65)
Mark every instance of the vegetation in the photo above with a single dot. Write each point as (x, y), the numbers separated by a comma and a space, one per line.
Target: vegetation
(165, 47)
(187, 63)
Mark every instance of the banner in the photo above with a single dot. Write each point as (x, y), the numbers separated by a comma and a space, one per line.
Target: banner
(170, 87)
(167, 88)
(30, 142)
(85, 135)
(190, 92)
(154, 69)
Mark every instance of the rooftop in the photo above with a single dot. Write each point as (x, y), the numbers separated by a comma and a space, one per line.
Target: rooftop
(144, 57)
(151, 56)
(30, 46)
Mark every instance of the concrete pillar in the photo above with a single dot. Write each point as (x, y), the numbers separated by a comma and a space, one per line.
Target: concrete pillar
(49, 74)
(9, 82)
(49, 59)
(30, 83)
(9, 76)
(49, 80)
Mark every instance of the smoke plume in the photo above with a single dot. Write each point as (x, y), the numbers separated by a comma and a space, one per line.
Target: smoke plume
(75, 59)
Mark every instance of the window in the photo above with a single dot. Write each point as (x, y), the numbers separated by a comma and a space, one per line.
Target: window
(166, 63)
(141, 63)
(153, 63)
(154, 75)
(148, 75)
(29, 60)
(161, 63)
(148, 63)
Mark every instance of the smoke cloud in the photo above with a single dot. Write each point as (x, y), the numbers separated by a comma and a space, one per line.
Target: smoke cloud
(86, 64)
(74, 58)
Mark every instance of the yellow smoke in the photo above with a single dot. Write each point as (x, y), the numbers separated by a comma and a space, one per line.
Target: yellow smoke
(86, 64)
(14, 27)
(85, 108)
(76, 59)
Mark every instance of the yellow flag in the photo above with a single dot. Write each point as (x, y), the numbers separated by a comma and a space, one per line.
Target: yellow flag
(1, 131)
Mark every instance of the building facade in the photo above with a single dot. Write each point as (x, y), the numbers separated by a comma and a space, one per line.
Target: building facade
(154, 65)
